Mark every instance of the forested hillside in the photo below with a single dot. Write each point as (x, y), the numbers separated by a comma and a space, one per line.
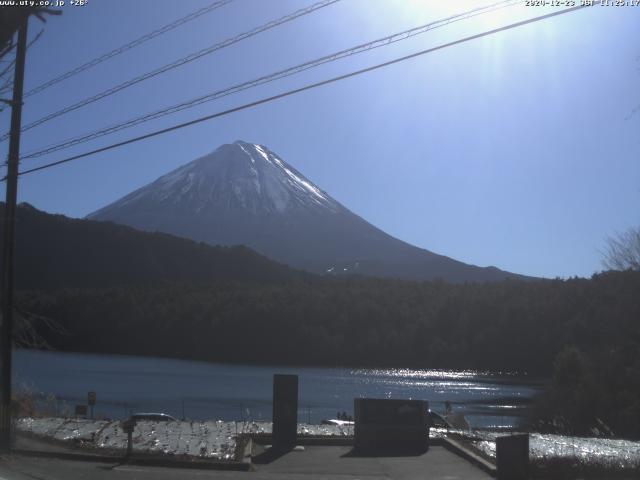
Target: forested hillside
(354, 321)
(54, 251)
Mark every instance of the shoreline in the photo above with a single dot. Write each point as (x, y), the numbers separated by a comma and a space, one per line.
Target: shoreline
(530, 378)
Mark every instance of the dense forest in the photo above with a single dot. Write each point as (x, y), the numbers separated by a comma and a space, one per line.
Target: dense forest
(583, 332)
(352, 321)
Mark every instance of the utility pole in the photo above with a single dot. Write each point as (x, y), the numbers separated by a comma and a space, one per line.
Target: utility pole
(6, 328)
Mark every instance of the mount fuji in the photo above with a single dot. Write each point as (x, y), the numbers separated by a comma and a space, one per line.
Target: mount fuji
(245, 194)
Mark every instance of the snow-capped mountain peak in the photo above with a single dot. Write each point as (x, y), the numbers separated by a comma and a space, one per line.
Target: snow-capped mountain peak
(236, 176)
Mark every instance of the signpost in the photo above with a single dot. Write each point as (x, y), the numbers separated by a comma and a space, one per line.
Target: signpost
(91, 400)
(127, 427)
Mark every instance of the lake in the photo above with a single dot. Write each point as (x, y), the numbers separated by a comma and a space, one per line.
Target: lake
(201, 390)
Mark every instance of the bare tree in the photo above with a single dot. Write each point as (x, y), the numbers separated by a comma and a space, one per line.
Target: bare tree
(623, 251)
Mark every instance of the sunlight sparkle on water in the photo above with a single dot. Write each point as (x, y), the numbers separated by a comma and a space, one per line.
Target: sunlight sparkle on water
(407, 373)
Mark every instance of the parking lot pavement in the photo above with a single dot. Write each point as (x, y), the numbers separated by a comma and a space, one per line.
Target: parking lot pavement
(310, 463)
(330, 462)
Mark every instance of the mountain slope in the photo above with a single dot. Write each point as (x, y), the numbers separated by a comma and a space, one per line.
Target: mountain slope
(245, 194)
(54, 251)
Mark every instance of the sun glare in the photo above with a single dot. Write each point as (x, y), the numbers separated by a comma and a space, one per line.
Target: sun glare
(493, 17)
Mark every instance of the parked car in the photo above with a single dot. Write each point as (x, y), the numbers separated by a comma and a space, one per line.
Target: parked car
(153, 417)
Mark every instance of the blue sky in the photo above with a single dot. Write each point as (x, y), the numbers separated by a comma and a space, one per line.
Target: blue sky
(519, 150)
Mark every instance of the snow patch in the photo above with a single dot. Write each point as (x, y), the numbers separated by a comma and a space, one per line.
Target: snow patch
(248, 154)
(210, 439)
(304, 183)
(262, 152)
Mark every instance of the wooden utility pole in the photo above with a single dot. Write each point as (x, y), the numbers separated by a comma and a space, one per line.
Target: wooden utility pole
(6, 328)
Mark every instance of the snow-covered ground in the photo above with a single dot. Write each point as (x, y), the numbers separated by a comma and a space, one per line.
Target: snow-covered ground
(217, 439)
(597, 452)
(210, 439)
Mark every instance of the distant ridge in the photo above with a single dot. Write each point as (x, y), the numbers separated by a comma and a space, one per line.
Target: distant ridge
(54, 251)
(245, 194)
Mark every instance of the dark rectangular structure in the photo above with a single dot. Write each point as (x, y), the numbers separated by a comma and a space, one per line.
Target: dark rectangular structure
(391, 425)
(285, 410)
(512, 457)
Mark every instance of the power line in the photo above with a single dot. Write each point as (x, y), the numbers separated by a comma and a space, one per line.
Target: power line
(6, 70)
(302, 89)
(128, 46)
(381, 42)
(178, 63)
(9, 83)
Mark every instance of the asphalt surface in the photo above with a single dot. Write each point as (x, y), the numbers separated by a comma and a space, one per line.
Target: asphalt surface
(312, 463)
